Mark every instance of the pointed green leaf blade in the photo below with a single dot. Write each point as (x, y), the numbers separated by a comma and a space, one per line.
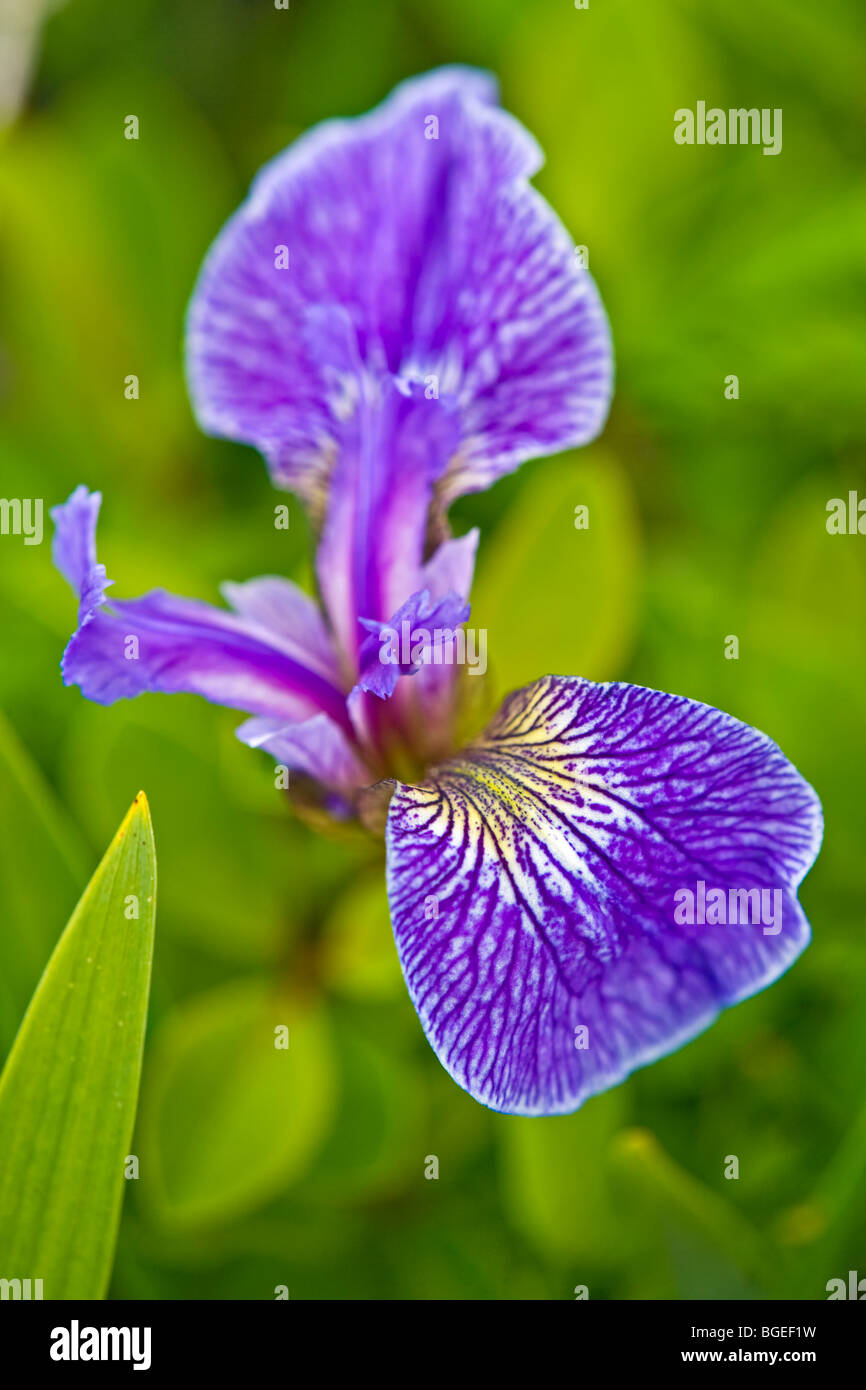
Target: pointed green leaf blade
(69, 1090)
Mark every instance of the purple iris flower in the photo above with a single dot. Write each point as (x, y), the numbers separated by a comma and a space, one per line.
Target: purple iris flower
(395, 318)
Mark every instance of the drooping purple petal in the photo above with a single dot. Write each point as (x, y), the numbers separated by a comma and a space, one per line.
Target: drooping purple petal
(418, 222)
(536, 885)
(421, 631)
(160, 642)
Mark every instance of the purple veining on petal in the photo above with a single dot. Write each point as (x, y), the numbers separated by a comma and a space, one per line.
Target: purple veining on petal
(532, 882)
(418, 224)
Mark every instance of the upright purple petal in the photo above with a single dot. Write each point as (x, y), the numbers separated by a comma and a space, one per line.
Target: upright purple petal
(252, 662)
(418, 222)
(536, 884)
(451, 567)
(73, 549)
(372, 545)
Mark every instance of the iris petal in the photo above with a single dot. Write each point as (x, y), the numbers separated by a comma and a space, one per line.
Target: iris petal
(286, 615)
(317, 747)
(533, 885)
(161, 642)
(371, 549)
(418, 223)
(421, 631)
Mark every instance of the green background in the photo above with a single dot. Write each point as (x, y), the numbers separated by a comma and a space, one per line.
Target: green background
(707, 519)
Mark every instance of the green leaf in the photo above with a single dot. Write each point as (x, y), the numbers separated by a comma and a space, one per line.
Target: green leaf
(37, 846)
(556, 599)
(229, 1118)
(68, 1092)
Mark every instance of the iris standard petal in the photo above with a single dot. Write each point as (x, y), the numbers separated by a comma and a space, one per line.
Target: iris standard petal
(418, 221)
(160, 642)
(536, 885)
(371, 549)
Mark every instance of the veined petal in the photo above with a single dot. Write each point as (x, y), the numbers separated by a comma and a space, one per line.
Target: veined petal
(418, 221)
(534, 884)
(160, 642)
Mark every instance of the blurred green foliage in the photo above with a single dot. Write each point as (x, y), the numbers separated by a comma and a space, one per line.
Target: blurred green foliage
(707, 518)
